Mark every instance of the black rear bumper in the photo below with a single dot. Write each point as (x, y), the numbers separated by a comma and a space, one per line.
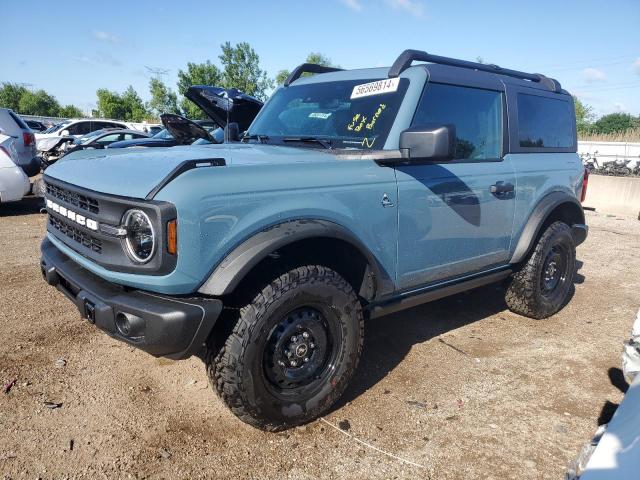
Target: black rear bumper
(160, 325)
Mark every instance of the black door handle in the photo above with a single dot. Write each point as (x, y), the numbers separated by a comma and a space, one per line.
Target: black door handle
(500, 187)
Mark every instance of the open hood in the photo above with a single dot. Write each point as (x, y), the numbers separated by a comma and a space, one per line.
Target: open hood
(225, 105)
(184, 131)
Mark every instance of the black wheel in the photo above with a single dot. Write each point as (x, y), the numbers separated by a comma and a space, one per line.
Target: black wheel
(542, 285)
(292, 351)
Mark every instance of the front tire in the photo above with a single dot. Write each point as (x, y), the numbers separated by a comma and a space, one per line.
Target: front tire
(292, 351)
(543, 284)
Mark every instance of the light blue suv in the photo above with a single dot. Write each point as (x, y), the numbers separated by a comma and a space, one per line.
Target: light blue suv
(353, 194)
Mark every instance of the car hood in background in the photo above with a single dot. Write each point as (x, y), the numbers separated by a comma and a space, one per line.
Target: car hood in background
(136, 172)
(225, 105)
(183, 130)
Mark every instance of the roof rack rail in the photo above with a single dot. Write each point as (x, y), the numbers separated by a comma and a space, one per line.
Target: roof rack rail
(405, 59)
(308, 68)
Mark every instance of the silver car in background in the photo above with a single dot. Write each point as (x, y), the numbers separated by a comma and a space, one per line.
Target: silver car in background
(14, 183)
(24, 141)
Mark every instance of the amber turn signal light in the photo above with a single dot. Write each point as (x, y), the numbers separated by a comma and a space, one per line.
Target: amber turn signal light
(172, 237)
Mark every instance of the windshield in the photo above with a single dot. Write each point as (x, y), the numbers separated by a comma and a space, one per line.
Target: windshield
(57, 127)
(89, 137)
(163, 134)
(343, 114)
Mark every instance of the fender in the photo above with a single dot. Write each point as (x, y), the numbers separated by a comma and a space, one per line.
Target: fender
(539, 216)
(228, 274)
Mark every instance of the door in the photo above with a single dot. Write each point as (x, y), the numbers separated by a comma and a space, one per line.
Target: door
(456, 217)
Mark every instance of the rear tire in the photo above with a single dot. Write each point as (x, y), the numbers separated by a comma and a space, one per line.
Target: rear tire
(292, 351)
(543, 284)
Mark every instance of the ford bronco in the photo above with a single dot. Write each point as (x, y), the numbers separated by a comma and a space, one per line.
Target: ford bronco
(351, 195)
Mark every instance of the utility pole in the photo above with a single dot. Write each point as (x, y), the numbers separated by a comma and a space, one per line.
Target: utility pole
(157, 72)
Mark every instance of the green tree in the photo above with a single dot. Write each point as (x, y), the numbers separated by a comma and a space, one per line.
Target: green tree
(241, 70)
(584, 116)
(70, 111)
(615, 122)
(313, 57)
(10, 94)
(196, 74)
(38, 102)
(127, 106)
(163, 99)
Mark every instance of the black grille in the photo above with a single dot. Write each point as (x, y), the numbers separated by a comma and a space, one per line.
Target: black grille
(76, 234)
(83, 202)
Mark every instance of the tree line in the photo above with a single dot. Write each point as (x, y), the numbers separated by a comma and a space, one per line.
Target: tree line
(239, 68)
(587, 124)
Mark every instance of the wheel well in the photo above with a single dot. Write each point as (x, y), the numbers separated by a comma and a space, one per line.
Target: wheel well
(339, 255)
(567, 212)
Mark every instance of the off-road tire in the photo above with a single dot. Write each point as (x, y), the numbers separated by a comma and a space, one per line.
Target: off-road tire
(524, 293)
(239, 373)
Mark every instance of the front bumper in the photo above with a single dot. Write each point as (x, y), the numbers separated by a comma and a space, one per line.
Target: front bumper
(160, 325)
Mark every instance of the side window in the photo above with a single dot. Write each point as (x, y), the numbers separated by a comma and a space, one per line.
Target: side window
(79, 128)
(98, 126)
(475, 113)
(544, 122)
(114, 137)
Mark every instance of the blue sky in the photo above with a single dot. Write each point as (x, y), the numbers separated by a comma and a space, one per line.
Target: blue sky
(76, 47)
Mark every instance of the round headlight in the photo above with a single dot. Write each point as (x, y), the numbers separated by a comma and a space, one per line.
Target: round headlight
(140, 240)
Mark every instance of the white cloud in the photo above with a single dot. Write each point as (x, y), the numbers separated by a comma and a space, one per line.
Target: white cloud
(354, 5)
(620, 107)
(413, 7)
(99, 58)
(593, 75)
(106, 37)
(636, 66)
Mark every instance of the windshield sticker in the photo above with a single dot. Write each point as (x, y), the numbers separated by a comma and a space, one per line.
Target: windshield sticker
(321, 115)
(375, 88)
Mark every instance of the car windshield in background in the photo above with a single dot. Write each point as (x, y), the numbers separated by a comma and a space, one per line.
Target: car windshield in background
(163, 134)
(89, 137)
(57, 127)
(342, 114)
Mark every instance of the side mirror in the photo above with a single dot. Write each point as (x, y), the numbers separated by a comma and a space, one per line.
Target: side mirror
(64, 133)
(428, 142)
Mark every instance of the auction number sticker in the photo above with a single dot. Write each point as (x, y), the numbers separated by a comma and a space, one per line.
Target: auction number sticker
(375, 88)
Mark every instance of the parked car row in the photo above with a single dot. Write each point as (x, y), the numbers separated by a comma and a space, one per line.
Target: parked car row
(229, 110)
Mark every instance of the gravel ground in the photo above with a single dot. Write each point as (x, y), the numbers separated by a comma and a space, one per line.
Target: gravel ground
(459, 388)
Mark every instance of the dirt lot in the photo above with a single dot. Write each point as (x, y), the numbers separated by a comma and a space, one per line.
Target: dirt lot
(462, 388)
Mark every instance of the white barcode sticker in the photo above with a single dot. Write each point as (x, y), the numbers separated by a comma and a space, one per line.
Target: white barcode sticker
(375, 88)
(321, 115)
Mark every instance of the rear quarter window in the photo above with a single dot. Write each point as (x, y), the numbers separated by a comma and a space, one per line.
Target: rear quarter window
(545, 122)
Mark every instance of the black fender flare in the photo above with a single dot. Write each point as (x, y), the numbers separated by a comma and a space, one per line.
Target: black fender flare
(242, 259)
(537, 218)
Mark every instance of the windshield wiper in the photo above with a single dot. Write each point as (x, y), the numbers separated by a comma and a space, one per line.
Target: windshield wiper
(320, 141)
(256, 136)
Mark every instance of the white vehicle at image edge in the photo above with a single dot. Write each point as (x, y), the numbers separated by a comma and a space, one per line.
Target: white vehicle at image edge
(614, 451)
(23, 140)
(14, 183)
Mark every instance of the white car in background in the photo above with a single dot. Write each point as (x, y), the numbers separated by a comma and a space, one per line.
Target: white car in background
(614, 451)
(77, 127)
(14, 183)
